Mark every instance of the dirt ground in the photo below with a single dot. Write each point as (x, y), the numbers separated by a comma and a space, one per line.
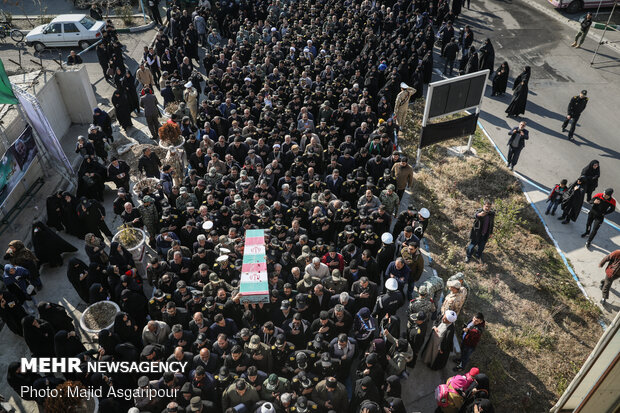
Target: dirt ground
(540, 328)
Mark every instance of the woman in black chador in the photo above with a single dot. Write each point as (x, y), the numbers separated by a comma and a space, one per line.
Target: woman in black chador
(591, 173)
(572, 200)
(519, 95)
(49, 246)
(500, 81)
(78, 275)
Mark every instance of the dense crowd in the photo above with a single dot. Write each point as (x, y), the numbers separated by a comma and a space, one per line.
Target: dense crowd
(288, 124)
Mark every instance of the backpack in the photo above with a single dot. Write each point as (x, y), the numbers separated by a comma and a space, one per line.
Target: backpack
(442, 395)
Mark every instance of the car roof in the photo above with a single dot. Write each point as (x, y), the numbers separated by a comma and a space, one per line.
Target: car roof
(68, 18)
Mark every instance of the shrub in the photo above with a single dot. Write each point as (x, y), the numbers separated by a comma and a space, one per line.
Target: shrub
(506, 219)
(125, 13)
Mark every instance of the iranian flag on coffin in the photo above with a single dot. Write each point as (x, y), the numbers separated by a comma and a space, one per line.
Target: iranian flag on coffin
(254, 284)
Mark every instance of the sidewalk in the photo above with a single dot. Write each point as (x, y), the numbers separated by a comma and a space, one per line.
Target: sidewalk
(584, 261)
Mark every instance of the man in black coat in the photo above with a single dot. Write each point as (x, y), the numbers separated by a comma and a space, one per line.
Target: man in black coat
(118, 172)
(449, 53)
(481, 230)
(516, 143)
(576, 105)
(149, 163)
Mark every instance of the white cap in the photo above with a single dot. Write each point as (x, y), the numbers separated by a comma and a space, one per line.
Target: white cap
(450, 316)
(267, 408)
(207, 225)
(306, 50)
(222, 258)
(247, 79)
(425, 213)
(273, 29)
(391, 284)
(404, 85)
(224, 251)
(188, 84)
(387, 238)
(292, 49)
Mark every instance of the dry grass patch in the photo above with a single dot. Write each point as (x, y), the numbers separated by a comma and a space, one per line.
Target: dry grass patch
(540, 328)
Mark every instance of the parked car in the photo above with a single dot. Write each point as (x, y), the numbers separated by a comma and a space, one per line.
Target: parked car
(574, 6)
(66, 30)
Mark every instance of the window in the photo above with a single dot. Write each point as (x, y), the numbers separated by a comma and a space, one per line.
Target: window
(71, 28)
(88, 22)
(54, 28)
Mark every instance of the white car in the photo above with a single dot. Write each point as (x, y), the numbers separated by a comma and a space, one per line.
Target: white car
(66, 30)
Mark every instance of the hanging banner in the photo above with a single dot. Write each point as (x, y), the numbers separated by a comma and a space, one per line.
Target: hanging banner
(15, 163)
(39, 121)
(254, 283)
(6, 94)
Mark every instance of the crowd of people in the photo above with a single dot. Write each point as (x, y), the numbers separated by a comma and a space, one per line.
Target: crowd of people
(288, 122)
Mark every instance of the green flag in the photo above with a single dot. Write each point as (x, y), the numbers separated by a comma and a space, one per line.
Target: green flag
(6, 93)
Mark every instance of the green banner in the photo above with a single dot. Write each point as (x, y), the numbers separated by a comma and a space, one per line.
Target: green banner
(6, 93)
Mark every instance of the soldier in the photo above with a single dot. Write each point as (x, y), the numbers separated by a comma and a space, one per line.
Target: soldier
(417, 325)
(460, 277)
(304, 360)
(282, 352)
(157, 304)
(169, 220)
(370, 240)
(274, 386)
(405, 219)
(389, 302)
(345, 215)
(278, 230)
(386, 180)
(348, 190)
(420, 223)
(303, 383)
(576, 106)
(304, 405)
(435, 286)
(390, 199)
(225, 269)
(348, 236)
(196, 304)
(319, 249)
(421, 303)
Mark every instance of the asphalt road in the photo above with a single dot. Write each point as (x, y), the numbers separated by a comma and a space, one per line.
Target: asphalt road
(522, 35)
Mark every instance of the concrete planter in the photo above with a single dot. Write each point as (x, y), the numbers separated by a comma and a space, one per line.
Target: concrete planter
(152, 182)
(90, 308)
(137, 252)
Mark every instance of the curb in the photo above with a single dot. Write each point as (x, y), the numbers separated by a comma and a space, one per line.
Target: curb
(137, 29)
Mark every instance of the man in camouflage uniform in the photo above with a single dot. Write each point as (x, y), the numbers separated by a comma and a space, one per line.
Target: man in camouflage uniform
(213, 177)
(434, 286)
(423, 303)
(390, 199)
(460, 277)
(150, 217)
